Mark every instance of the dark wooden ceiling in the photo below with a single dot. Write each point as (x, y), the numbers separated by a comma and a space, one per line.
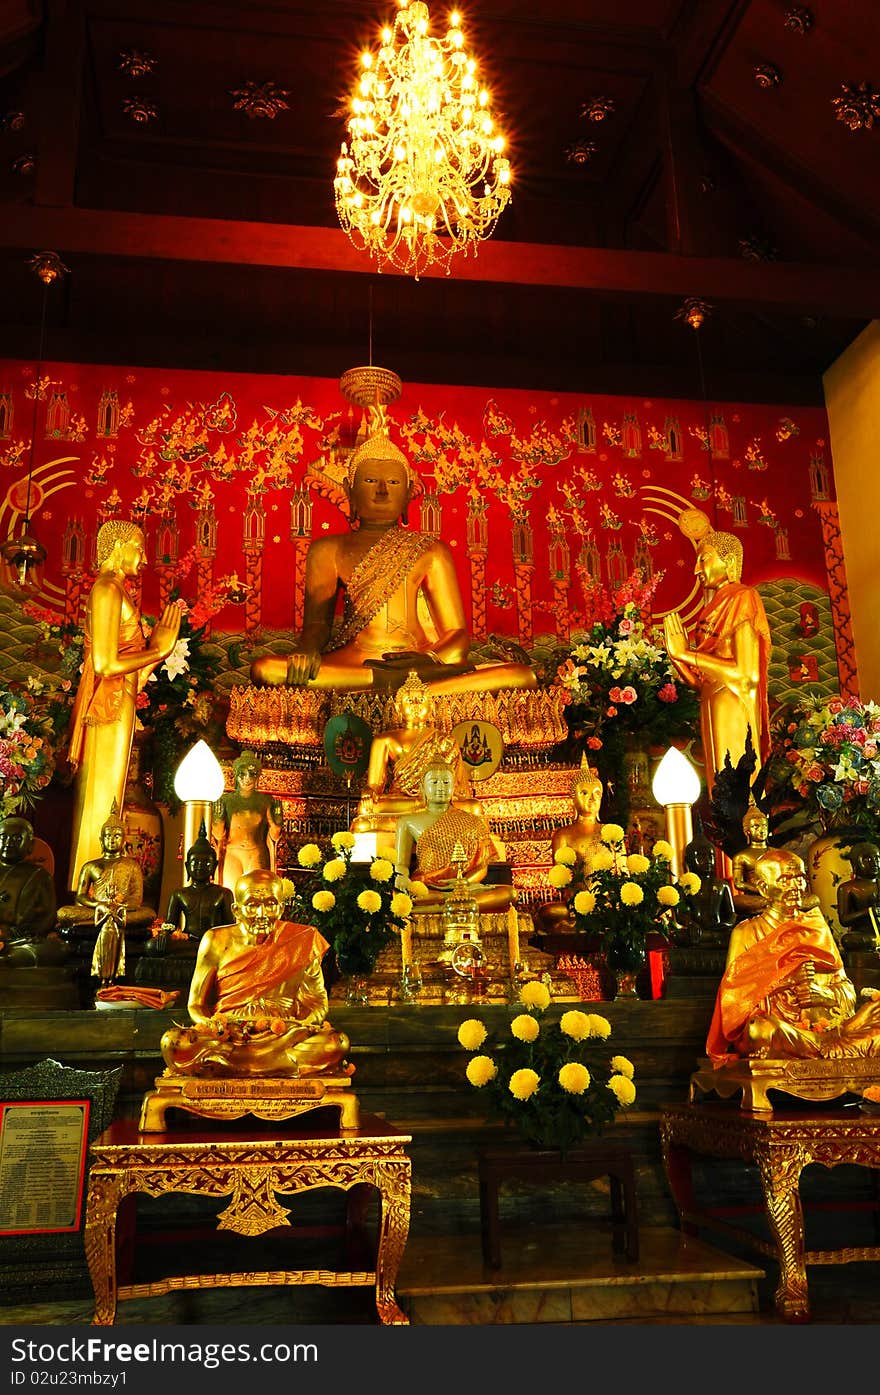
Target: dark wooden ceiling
(208, 238)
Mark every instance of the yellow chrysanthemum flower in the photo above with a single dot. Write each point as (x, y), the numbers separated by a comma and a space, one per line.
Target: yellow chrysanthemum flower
(611, 833)
(334, 870)
(323, 900)
(602, 860)
(343, 839)
(535, 994)
(287, 888)
(401, 904)
(690, 883)
(599, 1026)
(584, 902)
(631, 894)
(559, 875)
(663, 849)
(575, 1024)
(370, 901)
(418, 890)
(525, 1027)
(471, 1034)
(574, 1078)
(623, 1089)
(480, 1070)
(523, 1083)
(636, 864)
(567, 856)
(623, 1066)
(668, 896)
(381, 870)
(309, 855)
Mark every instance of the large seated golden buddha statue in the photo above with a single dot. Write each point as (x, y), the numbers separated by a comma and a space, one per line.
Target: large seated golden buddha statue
(402, 605)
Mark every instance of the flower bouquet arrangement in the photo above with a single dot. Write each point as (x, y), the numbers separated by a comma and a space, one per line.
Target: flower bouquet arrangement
(555, 1082)
(33, 718)
(824, 767)
(623, 897)
(359, 915)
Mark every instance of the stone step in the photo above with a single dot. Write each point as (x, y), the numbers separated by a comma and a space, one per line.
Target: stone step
(559, 1274)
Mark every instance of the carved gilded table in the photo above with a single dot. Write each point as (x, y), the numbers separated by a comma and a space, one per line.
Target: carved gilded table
(780, 1145)
(249, 1167)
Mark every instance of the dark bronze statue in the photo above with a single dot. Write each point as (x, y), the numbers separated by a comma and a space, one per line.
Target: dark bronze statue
(201, 904)
(706, 917)
(857, 899)
(27, 901)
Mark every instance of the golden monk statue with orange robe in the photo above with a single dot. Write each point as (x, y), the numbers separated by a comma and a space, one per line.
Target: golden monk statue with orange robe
(785, 992)
(117, 664)
(258, 1003)
(729, 661)
(402, 605)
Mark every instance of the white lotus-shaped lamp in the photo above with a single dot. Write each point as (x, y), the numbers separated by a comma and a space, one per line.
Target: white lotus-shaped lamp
(676, 785)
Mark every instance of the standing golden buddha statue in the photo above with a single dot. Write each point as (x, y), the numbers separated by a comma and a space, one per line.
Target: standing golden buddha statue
(728, 662)
(389, 577)
(118, 661)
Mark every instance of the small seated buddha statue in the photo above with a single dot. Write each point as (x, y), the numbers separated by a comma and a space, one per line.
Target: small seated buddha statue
(27, 901)
(706, 917)
(431, 835)
(582, 836)
(746, 897)
(257, 1003)
(399, 758)
(109, 896)
(201, 904)
(858, 899)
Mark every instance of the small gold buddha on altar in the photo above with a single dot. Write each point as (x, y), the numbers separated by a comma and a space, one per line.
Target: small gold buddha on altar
(583, 836)
(402, 603)
(431, 835)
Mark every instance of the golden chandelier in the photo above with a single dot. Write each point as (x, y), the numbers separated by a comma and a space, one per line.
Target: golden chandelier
(423, 175)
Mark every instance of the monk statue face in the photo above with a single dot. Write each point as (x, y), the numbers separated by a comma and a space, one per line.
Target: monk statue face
(16, 840)
(379, 492)
(259, 903)
(781, 879)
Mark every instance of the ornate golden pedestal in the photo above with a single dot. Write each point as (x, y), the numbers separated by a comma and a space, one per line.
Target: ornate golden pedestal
(806, 1080)
(779, 1146)
(250, 1169)
(230, 1097)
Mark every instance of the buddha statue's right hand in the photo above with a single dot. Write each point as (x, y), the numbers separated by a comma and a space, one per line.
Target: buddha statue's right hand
(166, 630)
(302, 667)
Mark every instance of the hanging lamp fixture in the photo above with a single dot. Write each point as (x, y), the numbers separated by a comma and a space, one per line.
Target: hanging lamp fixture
(423, 175)
(22, 556)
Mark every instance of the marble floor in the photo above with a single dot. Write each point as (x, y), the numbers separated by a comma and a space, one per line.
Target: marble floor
(548, 1276)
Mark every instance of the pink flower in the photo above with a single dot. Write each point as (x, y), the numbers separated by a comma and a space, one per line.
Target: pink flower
(870, 750)
(861, 787)
(628, 695)
(626, 626)
(594, 743)
(835, 705)
(793, 756)
(816, 773)
(614, 694)
(611, 712)
(668, 693)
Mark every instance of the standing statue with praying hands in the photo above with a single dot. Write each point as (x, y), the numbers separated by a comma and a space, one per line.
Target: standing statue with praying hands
(728, 661)
(383, 571)
(117, 664)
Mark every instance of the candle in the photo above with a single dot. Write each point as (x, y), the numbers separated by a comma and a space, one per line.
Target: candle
(513, 938)
(406, 945)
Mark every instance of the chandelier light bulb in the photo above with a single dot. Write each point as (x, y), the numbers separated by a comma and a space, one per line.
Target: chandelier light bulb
(421, 176)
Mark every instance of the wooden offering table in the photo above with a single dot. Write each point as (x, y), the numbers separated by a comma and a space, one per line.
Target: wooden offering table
(249, 1167)
(780, 1145)
(541, 1166)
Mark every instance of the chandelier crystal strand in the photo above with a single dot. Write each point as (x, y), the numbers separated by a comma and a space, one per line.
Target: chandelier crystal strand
(423, 175)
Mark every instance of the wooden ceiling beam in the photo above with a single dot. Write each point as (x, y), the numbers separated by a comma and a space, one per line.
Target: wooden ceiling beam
(838, 291)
